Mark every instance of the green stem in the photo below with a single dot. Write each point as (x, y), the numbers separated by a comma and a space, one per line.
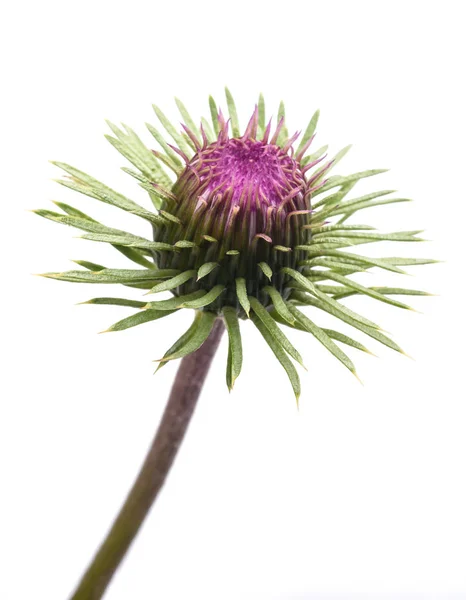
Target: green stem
(186, 388)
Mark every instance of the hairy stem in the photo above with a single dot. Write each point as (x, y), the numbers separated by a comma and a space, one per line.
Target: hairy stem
(186, 388)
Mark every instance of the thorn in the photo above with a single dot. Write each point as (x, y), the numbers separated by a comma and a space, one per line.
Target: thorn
(357, 377)
(163, 359)
(297, 402)
(383, 330)
(105, 331)
(407, 355)
(371, 353)
(85, 302)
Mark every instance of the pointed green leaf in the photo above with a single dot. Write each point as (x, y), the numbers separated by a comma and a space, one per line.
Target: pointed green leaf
(356, 259)
(314, 156)
(74, 212)
(283, 135)
(343, 180)
(174, 282)
(185, 244)
(206, 268)
(261, 119)
(176, 302)
(336, 335)
(336, 227)
(324, 243)
(344, 339)
(204, 322)
(181, 341)
(265, 268)
(135, 256)
(309, 286)
(89, 265)
(322, 337)
(349, 209)
(340, 155)
(366, 291)
(152, 169)
(187, 118)
(333, 289)
(208, 130)
(102, 233)
(332, 163)
(279, 304)
(399, 236)
(337, 266)
(370, 331)
(274, 330)
(242, 294)
(127, 240)
(233, 114)
(116, 302)
(206, 299)
(138, 319)
(177, 137)
(214, 115)
(327, 203)
(344, 293)
(131, 147)
(166, 148)
(170, 217)
(113, 275)
(310, 129)
(401, 261)
(87, 185)
(280, 354)
(235, 351)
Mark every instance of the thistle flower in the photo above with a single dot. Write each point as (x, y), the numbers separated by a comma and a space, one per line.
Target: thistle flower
(250, 226)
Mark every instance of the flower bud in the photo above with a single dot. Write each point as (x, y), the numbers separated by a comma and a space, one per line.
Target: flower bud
(240, 206)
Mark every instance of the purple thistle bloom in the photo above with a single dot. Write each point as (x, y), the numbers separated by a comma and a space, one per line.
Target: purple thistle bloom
(243, 202)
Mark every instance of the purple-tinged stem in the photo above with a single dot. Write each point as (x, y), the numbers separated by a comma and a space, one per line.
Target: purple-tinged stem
(185, 392)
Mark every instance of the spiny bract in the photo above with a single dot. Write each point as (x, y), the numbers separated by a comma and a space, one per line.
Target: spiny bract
(239, 234)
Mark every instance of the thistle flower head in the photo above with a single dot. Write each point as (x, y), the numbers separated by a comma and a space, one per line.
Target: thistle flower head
(248, 226)
(241, 205)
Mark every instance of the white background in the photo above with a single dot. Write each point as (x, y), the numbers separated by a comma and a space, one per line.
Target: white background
(359, 494)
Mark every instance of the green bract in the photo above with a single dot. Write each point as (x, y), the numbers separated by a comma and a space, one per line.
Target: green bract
(242, 226)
